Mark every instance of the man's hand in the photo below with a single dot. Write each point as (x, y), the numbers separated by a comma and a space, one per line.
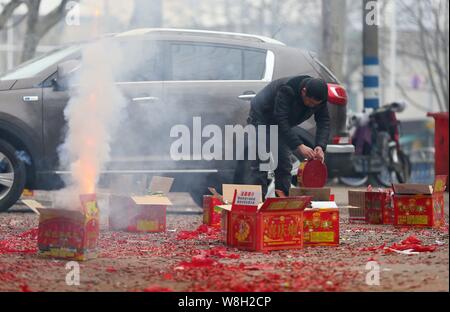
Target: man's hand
(305, 151)
(319, 154)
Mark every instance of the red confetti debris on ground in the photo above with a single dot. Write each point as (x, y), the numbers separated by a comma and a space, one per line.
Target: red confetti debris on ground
(158, 262)
(25, 242)
(25, 288)
(211, 232)
(156, 288)
(412, 243)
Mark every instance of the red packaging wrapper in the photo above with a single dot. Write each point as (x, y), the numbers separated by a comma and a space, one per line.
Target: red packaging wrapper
(312, 173)
(321, 227)
(69, 234)
(420, 205)
(274, 225)
(211, 214)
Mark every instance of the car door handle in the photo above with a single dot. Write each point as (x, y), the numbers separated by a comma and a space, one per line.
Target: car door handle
(145, 99)
(247, 96)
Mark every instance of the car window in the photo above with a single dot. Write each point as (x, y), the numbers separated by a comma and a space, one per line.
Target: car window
(324, 72)
(254, 64)
(210, 62)
(141, 61)
(41, 63)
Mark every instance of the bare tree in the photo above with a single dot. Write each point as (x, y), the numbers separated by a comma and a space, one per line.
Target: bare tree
(37, 26)
(430, 19)
(334, 13)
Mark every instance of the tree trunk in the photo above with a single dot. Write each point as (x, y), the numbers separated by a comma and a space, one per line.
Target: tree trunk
(32, 38)
(334, 14)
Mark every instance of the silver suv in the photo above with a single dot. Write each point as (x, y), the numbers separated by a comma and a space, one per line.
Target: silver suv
(183, 74)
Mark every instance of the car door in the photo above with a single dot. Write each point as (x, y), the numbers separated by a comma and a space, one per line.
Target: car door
(137, 143)
(214, 82)
(139, 78)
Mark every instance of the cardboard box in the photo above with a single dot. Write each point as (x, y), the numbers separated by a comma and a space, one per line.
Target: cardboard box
(211, 212)
(379, 208)
(420, 205)
(146, 213)
(68, 234)
(317, 194)
(372, 207)
(321, 224)
(357, 198)
(273, 225)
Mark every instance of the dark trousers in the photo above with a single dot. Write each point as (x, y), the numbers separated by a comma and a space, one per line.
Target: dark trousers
(248, 171)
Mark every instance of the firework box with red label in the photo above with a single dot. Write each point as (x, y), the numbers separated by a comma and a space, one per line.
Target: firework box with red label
(138, 213)
(419, 204)
(141, 213)
(275, 224)
(378, 207)
(211, 211)
(68, 234)
(321, 224)
(373, 207)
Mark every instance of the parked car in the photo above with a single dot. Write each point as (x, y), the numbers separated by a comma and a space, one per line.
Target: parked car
(183, 73)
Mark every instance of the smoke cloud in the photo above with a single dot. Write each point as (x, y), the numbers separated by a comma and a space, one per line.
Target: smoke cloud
(93, 115)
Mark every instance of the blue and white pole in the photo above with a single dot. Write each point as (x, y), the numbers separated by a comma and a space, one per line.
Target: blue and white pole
(370, 58)
(371, 82)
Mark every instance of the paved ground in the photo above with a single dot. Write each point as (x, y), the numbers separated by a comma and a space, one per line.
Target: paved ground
(170, 262)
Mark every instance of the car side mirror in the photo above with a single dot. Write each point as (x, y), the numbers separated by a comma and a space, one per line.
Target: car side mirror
(64, 71)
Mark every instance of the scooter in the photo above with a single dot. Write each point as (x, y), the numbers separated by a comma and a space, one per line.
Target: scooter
(378, 155)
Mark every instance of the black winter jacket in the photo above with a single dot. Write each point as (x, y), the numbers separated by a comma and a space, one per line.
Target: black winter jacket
(280, 103)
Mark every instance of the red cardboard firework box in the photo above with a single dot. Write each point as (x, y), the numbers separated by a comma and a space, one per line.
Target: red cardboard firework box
(379, 208)
(138, 213)
(68, 234)
(211, 212)
(321, 224)
(420, 205)
(373, 207)
(275, 224)
(143, 213)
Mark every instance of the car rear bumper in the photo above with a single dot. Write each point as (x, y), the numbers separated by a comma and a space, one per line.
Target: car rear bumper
(339, 160)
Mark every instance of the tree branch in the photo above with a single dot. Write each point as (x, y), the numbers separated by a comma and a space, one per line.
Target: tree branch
(51, 19)
(8, 10)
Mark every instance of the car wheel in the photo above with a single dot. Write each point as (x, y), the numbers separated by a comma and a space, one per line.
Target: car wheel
(12, 176)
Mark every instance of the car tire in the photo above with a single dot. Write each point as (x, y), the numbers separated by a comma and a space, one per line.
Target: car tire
(10, 164)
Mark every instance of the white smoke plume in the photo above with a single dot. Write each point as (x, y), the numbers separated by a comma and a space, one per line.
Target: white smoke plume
(93, 115)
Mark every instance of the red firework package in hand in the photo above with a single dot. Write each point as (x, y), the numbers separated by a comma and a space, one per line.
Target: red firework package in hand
(275, 224)
(312, 173)
(68, 234)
